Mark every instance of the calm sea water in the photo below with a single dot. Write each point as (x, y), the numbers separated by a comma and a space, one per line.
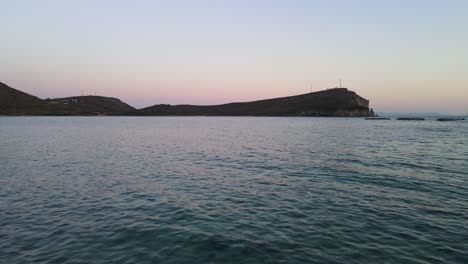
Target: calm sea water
(232, 190)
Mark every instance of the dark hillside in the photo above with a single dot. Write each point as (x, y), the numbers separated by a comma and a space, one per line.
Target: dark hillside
(15, 102)
(92, 104)
(12, 99)
(331, 102)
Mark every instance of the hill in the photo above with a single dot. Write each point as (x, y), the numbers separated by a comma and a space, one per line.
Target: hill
(92, 105)
(332, 102)
(338, 102)
(15, 102)
(12, 100)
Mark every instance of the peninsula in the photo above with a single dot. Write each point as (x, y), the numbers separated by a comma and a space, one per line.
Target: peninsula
(334, 102)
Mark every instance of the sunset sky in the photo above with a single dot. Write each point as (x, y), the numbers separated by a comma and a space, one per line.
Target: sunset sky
(404, 56)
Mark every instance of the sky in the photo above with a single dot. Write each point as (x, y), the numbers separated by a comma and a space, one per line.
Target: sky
(402, 55)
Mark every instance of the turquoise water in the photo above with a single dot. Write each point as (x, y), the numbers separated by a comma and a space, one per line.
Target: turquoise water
(232, 190)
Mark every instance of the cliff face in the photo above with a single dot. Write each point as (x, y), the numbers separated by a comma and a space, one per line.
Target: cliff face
(338, 102)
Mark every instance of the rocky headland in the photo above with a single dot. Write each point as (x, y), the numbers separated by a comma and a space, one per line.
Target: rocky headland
(335, 102)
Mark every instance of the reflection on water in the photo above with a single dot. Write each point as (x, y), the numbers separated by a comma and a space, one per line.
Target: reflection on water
(232, 190)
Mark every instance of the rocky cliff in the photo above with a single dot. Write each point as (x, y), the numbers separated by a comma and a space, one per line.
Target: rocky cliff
(339, 102)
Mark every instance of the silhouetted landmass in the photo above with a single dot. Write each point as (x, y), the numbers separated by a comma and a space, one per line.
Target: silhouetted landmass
(339, 102)
(332, 102)
(15, 102)
(12, 101)
(92, 104)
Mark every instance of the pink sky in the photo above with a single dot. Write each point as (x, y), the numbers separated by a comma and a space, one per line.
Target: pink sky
(402, 56)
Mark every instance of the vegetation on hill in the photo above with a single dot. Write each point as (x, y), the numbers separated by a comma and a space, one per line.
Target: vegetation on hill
(12, 99)
(331, 102)
(92, 104)
(15, 102)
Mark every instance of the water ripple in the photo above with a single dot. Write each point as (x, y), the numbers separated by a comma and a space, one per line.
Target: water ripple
(232, 190)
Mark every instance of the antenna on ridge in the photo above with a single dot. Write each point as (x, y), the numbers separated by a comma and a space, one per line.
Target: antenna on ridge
(340, 81)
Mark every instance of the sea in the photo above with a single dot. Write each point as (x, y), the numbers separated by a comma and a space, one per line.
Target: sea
(232, 190)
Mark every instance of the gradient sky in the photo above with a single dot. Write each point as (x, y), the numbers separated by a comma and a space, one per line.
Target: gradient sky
(404, 56)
